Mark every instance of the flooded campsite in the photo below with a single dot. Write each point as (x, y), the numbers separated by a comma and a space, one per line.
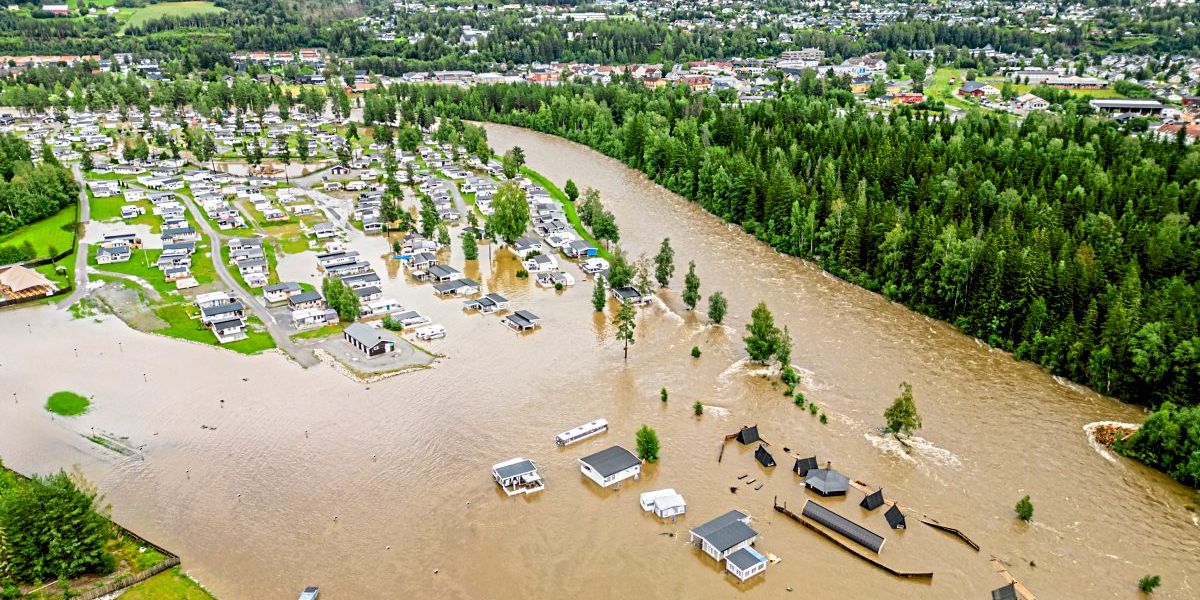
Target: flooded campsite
(265, 476)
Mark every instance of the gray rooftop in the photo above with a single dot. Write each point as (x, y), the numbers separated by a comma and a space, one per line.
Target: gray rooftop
(746, 558)
(611, 461)
(515, 469)
(853, 531)
(726, 531)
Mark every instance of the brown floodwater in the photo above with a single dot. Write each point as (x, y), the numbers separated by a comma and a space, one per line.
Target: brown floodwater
(305, 477)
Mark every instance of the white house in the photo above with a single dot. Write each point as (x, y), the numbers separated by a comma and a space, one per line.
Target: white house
(724, 535)
(610, 466)
(518, 476)
(663, 503)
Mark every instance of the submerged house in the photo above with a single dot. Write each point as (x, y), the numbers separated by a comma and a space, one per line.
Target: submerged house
(827, 482)
(746, 563)
(610, 466)
(873, 500)
(763, 457)
(804, 465)
(663, 503)
(724, 535)
(518, 476)
(748, 435)
(895, 518)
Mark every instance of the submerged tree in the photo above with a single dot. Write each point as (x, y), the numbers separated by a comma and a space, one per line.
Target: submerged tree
(664, 263)
(598, 297)
(902, 415)
(691, 286)
(470, 248)
(763, 341)
(1024, 509)
(626, 323)
(716, 307)
(510, 216)
(647, 444)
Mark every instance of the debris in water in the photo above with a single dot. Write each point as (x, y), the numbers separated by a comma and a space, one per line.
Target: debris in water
(789, 588)
(435, 571)
(743, 476)
(733, 489)
(751, 482)
(758, 487)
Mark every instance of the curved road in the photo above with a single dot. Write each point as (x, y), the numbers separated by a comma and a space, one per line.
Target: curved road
(302, 355)
(81, 251)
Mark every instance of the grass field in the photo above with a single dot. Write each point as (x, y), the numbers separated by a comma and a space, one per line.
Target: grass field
(171, 9)
(171, 584)
(182, 325)
(56, 232)
(141, 264)
(67, 404)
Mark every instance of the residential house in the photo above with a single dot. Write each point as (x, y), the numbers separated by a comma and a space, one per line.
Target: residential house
(610, 466)
(369, 340)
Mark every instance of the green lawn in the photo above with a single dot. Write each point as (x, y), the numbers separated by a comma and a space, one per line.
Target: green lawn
(67, 404)
(568, 208)
(56, 232)
(140, 265)
(171, 9)
(321, 332)
(62, 272)
(171, 584)
(183, 323)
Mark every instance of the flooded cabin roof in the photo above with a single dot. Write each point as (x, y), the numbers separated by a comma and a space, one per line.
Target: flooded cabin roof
(873, 500)
(895, 518)
(611, 460)
(826, 482)
(726, 531)
(748, 435)
(851, 530)
(763, 457)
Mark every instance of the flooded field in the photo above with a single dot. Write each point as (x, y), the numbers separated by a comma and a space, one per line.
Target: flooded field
(304, 477)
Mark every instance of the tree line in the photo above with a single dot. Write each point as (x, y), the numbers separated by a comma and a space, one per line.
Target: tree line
(1059, 238)
(28, 192)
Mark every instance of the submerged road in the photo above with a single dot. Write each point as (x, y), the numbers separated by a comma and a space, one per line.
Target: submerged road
(81, 251)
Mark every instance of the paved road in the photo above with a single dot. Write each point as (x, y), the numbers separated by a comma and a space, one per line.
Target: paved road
(459, 203)
(303, 355)
(81, 251)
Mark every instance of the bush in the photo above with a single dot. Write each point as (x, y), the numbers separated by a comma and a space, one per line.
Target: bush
(1024, 509)
(1148, 583)
(391, 324)
(799, 399)
(67, 404)
(698, 408)
(695, 351)
(824, 419)
(812, 409)
(647, 444)
(522, 274)
(663, 394)
(558, 286)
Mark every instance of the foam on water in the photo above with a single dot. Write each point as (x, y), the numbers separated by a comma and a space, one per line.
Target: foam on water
(917, 450)
(1090, 431)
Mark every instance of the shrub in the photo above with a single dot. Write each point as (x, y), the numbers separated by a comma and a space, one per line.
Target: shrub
(1148, 583)
(698, 408)
(824, 419)
(67, 404)
(1024, 509)
(522, 274)
(391, 324)
(663, 394)
(812, 408)
(695, 351)
(558, 286)
(799, 399)
(647, 444)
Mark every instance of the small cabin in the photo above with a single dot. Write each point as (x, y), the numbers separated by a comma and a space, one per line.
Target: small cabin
(664, 504)
(873, 500)
(518, 476)
(610, 466)
(763, 457)
(746, 563)
(724, 535)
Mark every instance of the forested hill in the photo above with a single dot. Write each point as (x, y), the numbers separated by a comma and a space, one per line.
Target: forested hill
(1061, 239)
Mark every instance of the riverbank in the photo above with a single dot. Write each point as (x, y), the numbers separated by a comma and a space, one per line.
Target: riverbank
(247, 489)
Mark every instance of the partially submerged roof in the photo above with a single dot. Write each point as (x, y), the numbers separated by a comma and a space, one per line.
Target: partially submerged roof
(726, 531)
(1008, 592)
(611, 460)
(895, 518)
(804, 465)
(748, 435)
(827, 482)
(851, 530)
(763, 457)
(873, 500)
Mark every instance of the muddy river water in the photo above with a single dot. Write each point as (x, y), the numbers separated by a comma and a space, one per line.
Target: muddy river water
(304, 477)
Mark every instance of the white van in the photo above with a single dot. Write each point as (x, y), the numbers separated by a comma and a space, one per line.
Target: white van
(431, 332)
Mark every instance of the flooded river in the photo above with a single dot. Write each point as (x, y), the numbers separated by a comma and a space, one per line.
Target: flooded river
(304, 477)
